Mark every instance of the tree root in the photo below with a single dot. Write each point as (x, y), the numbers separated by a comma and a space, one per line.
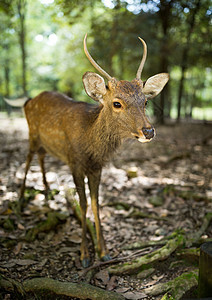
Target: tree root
(11, 285)
(194, 237)
(176, 287)
(174, 241)
(191, 255)
(144, 244)
(180, 285)
(160, 254)
(44, 286)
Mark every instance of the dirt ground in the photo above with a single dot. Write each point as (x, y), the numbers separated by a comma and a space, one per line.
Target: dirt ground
(169, 178)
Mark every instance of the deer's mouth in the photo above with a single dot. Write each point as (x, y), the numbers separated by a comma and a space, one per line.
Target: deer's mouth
(142, 139)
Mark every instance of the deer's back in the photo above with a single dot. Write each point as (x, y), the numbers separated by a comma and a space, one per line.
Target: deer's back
(60, 125)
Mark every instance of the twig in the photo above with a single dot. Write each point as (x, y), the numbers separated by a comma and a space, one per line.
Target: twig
(112, 261)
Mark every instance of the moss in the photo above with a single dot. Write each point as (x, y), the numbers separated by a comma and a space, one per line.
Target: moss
(156, 200)
(167, 297)
(53, 219)
(9, 224)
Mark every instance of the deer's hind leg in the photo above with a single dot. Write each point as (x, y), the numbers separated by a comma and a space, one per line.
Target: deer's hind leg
(28, 162)
(41, 156)
(32, 149)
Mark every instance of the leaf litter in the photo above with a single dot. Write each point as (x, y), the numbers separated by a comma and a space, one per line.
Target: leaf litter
(169, 178)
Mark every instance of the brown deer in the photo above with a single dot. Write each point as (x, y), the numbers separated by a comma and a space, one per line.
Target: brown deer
(84, 135)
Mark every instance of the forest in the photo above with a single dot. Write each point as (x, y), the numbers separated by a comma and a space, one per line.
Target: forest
(41, 48)
(155, 198)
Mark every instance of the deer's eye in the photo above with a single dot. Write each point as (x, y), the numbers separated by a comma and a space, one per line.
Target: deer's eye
(117, 104)
(146, 103)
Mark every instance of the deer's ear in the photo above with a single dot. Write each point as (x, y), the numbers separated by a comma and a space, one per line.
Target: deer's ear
(94, 86)
(154, 85)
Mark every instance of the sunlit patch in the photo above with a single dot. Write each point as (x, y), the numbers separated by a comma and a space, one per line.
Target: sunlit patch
(46, 2)
(52, 39)
(39, 38)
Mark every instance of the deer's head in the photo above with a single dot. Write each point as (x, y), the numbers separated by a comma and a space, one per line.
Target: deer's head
(125, 101)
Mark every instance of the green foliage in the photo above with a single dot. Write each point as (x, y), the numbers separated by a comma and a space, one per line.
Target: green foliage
(54, 46)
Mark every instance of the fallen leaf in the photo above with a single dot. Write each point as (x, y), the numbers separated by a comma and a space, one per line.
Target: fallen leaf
(112, 283)
(43, 262)
(17, 248)
(75, 238)
(103, 275)
(122, 289)
(8, 265)
(20, 226)
(24, 262)
(66, 249)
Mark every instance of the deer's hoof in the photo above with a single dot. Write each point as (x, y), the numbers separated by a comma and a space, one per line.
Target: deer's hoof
(106, 257)
(86, 262)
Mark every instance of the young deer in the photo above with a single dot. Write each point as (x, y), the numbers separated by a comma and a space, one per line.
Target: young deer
(84, 135)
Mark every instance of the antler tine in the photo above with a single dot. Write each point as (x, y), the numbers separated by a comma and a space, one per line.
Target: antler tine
(138, 75)
(92, 61)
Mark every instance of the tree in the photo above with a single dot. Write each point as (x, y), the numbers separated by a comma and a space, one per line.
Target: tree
(194, 8)
(21, 10)
(15, 10)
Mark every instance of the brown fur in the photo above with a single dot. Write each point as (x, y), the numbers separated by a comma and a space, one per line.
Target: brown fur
(83, 136)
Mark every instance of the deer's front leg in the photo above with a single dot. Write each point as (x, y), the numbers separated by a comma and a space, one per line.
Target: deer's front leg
(80, 186)
(93, 182)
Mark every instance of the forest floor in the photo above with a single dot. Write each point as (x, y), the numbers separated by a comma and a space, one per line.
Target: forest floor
(169, 180)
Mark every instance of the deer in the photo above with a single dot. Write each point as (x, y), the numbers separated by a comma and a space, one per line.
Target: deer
(84, 135)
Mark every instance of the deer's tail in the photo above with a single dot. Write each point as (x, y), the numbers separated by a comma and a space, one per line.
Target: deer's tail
(17, 102)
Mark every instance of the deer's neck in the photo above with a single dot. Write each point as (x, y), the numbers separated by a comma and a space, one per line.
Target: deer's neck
(104, 135)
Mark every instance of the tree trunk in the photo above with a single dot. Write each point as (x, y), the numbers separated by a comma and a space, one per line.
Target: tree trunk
(164, 15)
(21, 7)
(205, 273)
(185, 55)
(113, 38)
(180, 92)
(7, 79)
(164, 94)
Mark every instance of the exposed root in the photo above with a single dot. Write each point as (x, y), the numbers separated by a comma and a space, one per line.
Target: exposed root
(45, 286)
(160, 254)
(176, 287)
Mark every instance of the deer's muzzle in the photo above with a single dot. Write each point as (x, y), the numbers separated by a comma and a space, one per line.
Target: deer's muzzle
(145, 135)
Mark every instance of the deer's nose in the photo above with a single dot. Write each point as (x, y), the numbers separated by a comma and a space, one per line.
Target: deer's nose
(148, 132)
